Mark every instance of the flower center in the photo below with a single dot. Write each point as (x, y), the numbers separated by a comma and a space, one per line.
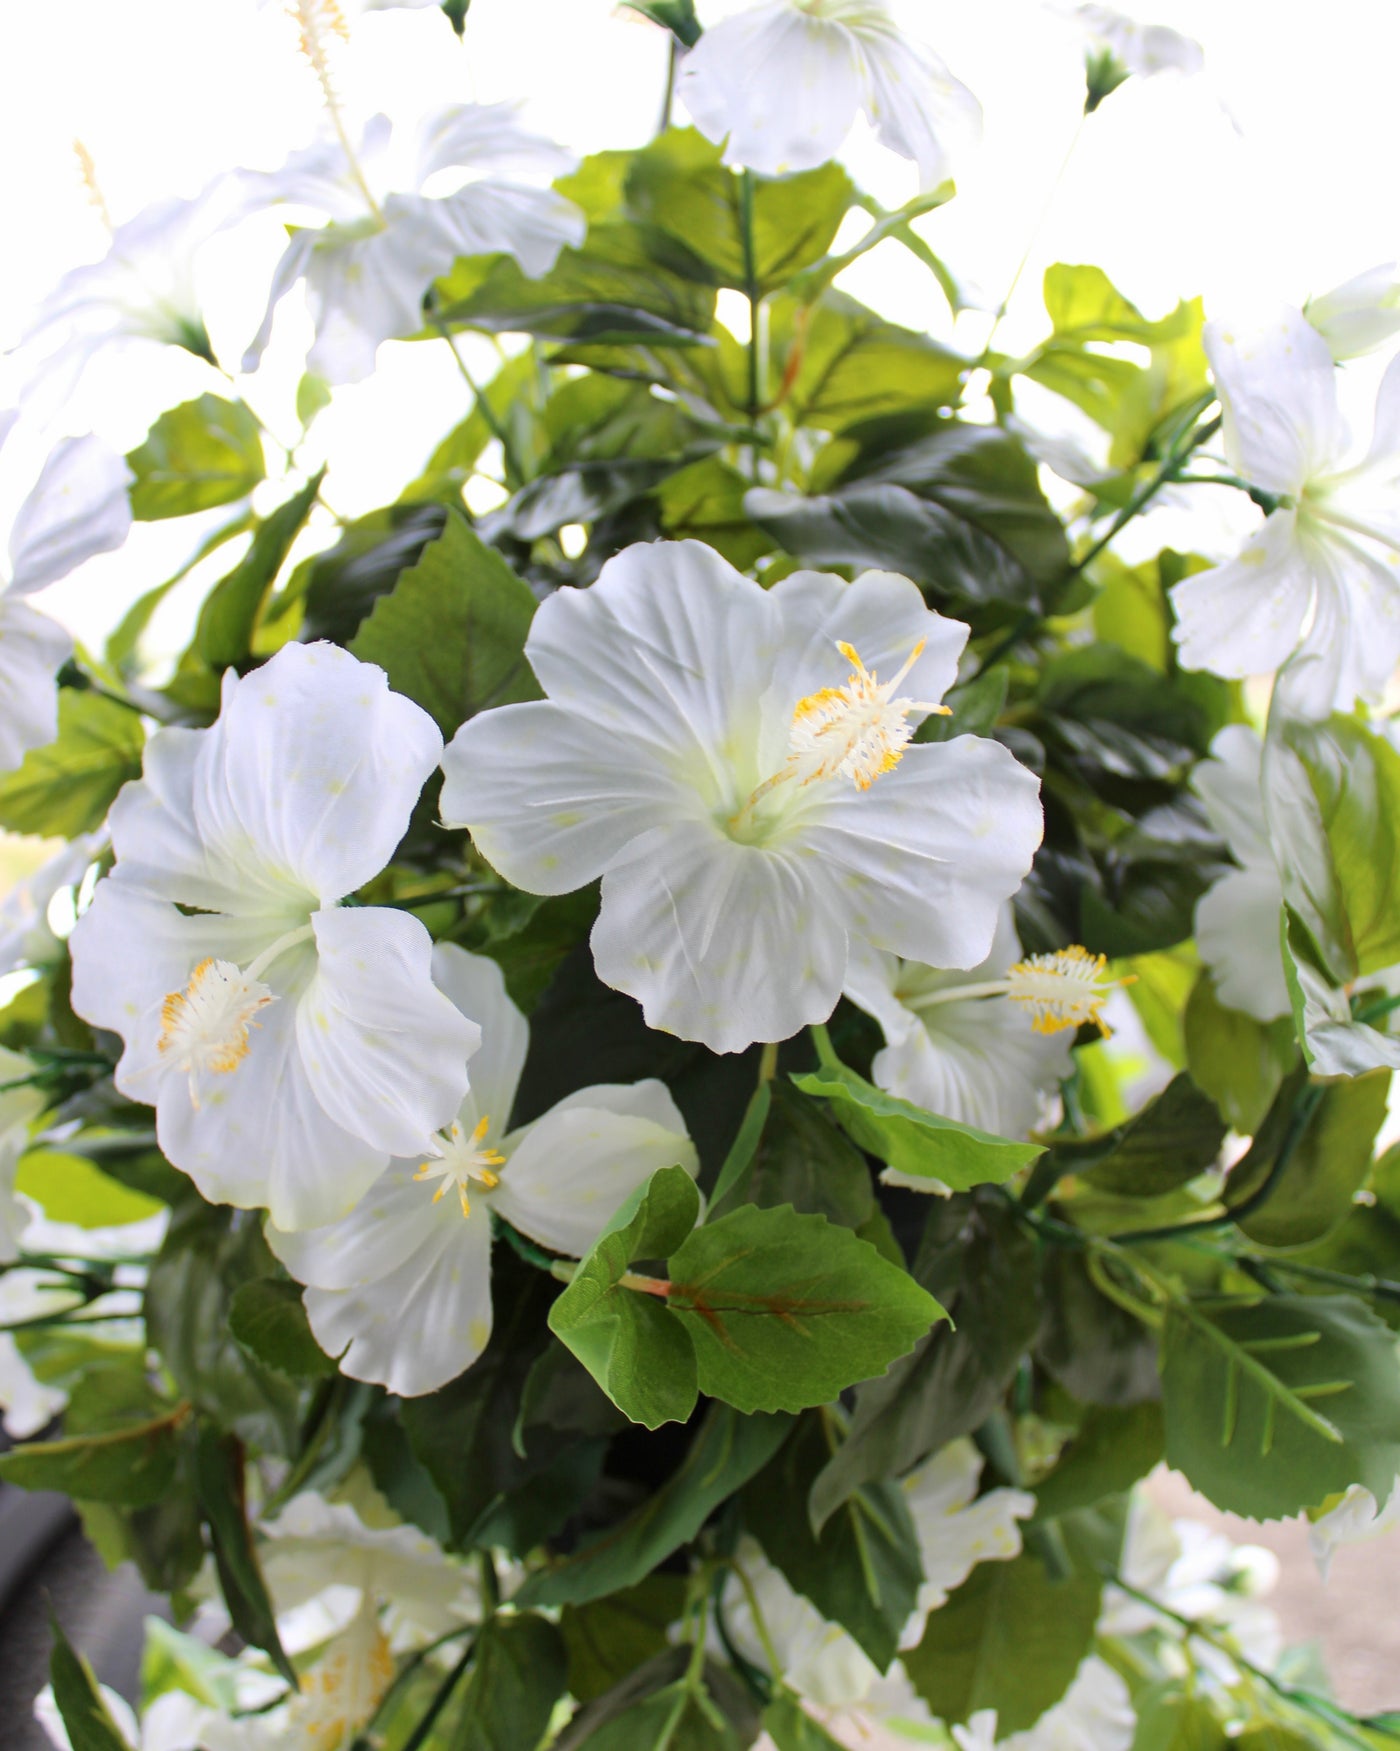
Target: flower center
(340, 1694)
(461, 1162)
(205, 1027)
(1062, 990)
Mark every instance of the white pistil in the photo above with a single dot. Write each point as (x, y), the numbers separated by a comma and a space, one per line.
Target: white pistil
(1062, 990)
(205, 1027)
(463, 1162)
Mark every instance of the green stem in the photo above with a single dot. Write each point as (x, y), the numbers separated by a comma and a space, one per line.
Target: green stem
(669, 96)
(1171, 466)
(514, 473)
(419, 1736)
(768, 1063)
(1374, 1011)
(1380, 1287)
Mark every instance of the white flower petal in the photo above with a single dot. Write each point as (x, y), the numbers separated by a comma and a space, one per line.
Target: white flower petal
(384, 1051)
(569, 1171)
(290, 267)
(550, 798)
(1361, 314)
(486, 136)
(1278, 393)
(312, 770)
(476, 985)
(394, 1221)
(79, 507)
(364, 289)
(1230, 784)
(719, 942)
(1244, 617)
(956, 1528)
(927, 855)
(916, 106)
(485, 218)
(28, 1406)
(32, 650)
(1351, 1521)
(1351, 649)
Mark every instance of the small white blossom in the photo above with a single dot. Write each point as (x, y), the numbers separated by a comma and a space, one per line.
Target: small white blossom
(289, 1044)
(781, 84)
(1322, 577)
(957, 1529)
(1143, 49)
(400, 1289)
(1352, 1520)
(1360, 315)
(675, 757)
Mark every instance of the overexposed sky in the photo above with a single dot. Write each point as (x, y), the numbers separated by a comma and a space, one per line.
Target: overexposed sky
(1272, 178)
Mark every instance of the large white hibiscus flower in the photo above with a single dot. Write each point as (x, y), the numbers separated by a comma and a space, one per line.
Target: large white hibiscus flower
(782, 83)
(379, 240)
(977, 1059)
(402, 1285)
(727, 759)
(1328, 558)
(290, 1045)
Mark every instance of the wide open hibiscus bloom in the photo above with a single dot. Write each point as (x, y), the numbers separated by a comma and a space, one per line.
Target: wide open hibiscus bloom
(736, 764)
(289, 1045)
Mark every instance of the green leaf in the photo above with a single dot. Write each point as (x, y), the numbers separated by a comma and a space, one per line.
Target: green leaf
(221, 1485)
(846, 364)
(625, 1338)
(974, 708)
(268, 1319)
(451, 633)
(862, 1571)
(677, 16)
(203, 453)
(800, 1158)
(224, 633)
(1083, 303)
(913, 1141)
(1175, 1137)
(664, 1707)
(1328, 1166)
(791, 1728)
(71, 1189)
(519, 1671)
(84, 1714)
(726, 1452)
(1238, 1061)
(679, 186)
(1113, 1447)
(981, 1265)
(123, 643)
(611, 1637)
(66, 788)
(705, 502)
(131, 1467)
(1272, 1407)
(1095, 1349)
(1010, 1638)
(787, 1311)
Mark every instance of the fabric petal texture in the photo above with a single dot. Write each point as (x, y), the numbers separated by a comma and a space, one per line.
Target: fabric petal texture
(1278, 395)
(79, 507)
(32, 650)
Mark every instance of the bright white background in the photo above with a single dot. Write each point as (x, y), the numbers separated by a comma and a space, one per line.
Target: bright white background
(1273, 177)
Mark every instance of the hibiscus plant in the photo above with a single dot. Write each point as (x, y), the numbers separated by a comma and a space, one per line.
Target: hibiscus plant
(656, 1077)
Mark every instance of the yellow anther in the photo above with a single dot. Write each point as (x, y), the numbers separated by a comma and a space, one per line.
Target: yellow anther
(461, 1162)
(205, 1026)
(1063, 990)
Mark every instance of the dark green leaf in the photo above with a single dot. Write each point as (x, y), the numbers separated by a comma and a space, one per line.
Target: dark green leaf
(1096, 1350)
(1113, 1447)
(913, 1141)
(613, 1636)
(800, 1158)
(80, 1704)
(863, 1570)
(791, 1728)
(1273, 1407)
(451, 633)
(787, 1311)
(724, 1455)
(1175, 1137)
(203, 453)
(267, 1317)
(662, 1706)
(224, 633)
(219, 1480)
(132, 1467)
(66, 788)
(340, 585)
(674, 15)
(519, 1672)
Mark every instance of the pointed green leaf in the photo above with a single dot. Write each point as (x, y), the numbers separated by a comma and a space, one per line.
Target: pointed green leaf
(132, 1467)
(66, 788)
(221, 1484)
(268, 1319)
(224, 634)
(519, 1672)
(203, 453)
(791, 1728)
(80, 1705)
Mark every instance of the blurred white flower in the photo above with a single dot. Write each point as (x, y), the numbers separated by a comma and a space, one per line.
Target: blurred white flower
(1352, 1520)
(1322, 577)
(1237, 918)
(400, 1289)
(1096, 1711)
(290, 1045)
(27, 937)
(20, 1105)
(27, 1404)
(781, 85)
(1143, 49)
(978, 1060)
(379, 239)
(726, 758)
(1360, 315)
(957, 1528)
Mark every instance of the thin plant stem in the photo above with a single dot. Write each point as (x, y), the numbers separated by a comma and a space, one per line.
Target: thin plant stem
(488, 413)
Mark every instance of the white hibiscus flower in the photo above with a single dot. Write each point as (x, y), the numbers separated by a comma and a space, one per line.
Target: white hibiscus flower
(781, 84)
(402, 1285)
(78, 507)
(290, 1045)
(957, 1528)
(1237, 918)
(379, 239)
(977, 1059)
(727, 759)
(1142, 49)
(1360, 315)
(1322, 576)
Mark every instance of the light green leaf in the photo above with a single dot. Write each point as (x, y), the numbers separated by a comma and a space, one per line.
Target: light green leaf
(626, 1338)
(1238, 1061)
(1272, 1407)
(203, 453)
(224, 633)
(90, 1727)
(914, 1141)
(451, 633)
(519, 1671)
(787, 1311)
(71, 1189)
(1169, 1720)
(268, 1319)
(66, 788)
(727, 1451)
(846, 364)
(705, 502)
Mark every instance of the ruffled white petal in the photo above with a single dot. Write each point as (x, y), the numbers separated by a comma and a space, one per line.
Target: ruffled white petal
(956, 1528)
(384, 1051)
(486, 136)
(365, 289)
(1361, 314)
(394, 1221)
(1244, 617)
(312, 770)
(476, 985)
(290, 268)
(570, 1171)
(79, 507)
(719, 942)
(32, 650)
(1278, 393)
(489, 218)
(916, 106)
(1351, 1521)
(1353, 644)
